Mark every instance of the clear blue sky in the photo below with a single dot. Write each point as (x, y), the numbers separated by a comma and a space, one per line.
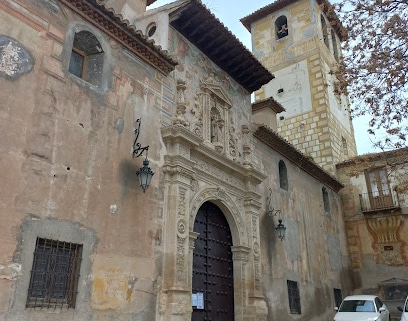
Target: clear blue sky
(229, 12)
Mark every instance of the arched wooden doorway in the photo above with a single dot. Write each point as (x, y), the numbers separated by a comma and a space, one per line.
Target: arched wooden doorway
(213, 282)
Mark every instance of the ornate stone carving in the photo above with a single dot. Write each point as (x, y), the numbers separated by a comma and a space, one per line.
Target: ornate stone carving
(240, 253)
(181, 307)
(232, 140)
(216, 193)
(179, 118)
(15, 60)
(246, 147)
(180, 259)
(197, 117)
(181, 211)
(216, 172)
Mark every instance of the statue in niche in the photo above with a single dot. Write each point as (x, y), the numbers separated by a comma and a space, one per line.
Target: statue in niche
(214, 129)
(217, 125)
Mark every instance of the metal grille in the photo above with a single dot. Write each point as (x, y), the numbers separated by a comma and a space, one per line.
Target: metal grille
(338, 297)
(54, 275)
(294, 297)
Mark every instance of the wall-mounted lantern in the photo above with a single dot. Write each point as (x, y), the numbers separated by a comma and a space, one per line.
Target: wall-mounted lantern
(270, 211)
(144, 174)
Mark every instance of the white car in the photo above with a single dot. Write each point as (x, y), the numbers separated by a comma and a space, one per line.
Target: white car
(362, 308)
(404, 310)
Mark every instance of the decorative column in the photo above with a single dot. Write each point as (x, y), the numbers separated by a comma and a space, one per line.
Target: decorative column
(175, 294)
(257, 309)
(179, 118)
(240, 256)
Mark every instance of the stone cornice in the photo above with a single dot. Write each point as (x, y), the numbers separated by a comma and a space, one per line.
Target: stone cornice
(268, 103)
(198, 148)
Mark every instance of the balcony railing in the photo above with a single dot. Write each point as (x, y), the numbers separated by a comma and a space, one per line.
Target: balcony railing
(378, 201)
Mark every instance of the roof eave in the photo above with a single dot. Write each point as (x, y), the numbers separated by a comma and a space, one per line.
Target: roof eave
(277, 143)
(125, 34)
(198, 25)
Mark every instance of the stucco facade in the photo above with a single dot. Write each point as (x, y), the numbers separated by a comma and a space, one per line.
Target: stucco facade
(70, 176)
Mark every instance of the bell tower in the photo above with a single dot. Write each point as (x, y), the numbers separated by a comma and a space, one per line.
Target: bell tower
(299, 42)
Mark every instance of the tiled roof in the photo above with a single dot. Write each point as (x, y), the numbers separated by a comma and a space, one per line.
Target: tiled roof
(283, 147)
(375, 157)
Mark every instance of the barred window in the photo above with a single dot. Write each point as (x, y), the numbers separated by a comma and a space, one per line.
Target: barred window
(54, 274)
(337, 297)
(294, 297)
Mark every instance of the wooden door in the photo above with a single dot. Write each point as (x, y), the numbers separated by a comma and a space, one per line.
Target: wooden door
(213, 283)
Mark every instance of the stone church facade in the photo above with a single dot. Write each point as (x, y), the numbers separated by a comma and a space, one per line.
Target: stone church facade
(88, 94)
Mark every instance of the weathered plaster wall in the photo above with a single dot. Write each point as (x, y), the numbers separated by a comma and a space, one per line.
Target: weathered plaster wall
(314, 251)
(67, 150)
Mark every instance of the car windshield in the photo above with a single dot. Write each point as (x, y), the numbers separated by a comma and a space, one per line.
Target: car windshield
(357, 306)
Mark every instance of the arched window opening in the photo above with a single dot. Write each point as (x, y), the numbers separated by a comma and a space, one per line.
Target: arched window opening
(324, 30)
(281, 26)
(334, 43)
(326, 202)
(283, 176)
(87, 57)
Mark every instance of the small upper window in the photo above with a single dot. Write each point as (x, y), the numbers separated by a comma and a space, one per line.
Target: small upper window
(326, 202)
(87, 58)
(281, 26)
(334, 43)
(344, 146)
(54, 274)
(151, 29)
(324, 30)
(283, 176)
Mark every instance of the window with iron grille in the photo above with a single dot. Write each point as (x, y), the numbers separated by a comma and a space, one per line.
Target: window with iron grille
(54, 274)
(337, 297)
(294, 297)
